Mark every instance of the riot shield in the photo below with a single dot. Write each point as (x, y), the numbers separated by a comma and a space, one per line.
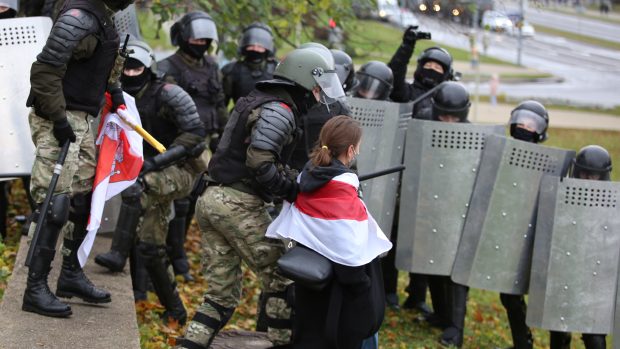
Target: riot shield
(576, 253)
(441, 159)
(126, 21)
(21, 40)
(384, 126)
(496, 245)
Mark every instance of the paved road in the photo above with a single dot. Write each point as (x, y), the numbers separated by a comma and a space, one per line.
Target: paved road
(574, 24)
(591, 74)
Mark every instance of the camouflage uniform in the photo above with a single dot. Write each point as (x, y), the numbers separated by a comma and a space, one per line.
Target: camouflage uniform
(233, 225)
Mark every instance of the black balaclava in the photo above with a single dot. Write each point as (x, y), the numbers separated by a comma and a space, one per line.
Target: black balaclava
(196, 51)
(429, 78)
(10, 13)
(303, 99)
(133, 84)
(254, 57)
(524, 135)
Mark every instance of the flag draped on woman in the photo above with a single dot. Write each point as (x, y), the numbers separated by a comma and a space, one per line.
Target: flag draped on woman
(334, 222)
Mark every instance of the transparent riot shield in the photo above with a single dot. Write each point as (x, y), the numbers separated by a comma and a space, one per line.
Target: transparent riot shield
(21, 40)
(441, 159)
(384, 126)
(576, 254)
(495, 250)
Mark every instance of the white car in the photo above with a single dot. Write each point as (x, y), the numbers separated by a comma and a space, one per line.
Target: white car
(496, 21)
(527, 30)
(404, 19)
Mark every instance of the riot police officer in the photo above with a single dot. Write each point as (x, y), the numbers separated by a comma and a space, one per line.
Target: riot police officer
(68, 81)
(375, 81)
(593, 163)
(244, 174)
(528, 122)
(450, 103)
(198, 74)
(257, 63)
(434, 66)
(168, 113)
(317, 116)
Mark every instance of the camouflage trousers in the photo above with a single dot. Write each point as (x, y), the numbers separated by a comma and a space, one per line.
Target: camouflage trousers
(163, 187)
(233, 226)
(78, 172)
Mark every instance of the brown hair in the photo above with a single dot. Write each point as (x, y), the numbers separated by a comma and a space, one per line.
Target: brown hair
(336, 136)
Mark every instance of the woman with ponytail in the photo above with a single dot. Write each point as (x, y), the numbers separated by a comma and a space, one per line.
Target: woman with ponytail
(329, 218)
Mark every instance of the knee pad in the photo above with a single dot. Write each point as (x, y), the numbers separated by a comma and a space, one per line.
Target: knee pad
(58, 210)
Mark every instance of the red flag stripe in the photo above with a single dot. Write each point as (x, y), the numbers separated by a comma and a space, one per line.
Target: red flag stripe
(334, 200)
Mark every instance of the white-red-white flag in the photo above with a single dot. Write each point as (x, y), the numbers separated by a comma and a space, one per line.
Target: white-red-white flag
(334, 222)
(118, 165)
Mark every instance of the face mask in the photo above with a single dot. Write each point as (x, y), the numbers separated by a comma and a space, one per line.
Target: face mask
(524, 135)
(428, 77)
(254, 57)
(133, 84)
(196, 51)
(10, 13)
(353, 162)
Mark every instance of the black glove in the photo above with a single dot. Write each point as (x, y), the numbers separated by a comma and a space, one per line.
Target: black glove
(117, 98)
(410, 36)
(147, 166)
(63, 131)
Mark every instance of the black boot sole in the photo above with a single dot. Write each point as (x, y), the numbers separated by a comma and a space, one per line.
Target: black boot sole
(67, 294)
(33, 309)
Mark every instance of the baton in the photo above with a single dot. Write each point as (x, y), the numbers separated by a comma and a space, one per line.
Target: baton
(381, 172)
(142, 132)
(48, 198)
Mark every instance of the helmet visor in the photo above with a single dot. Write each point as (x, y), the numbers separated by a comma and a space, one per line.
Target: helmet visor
(257, 36)
(371, 88)
(529, 121)
(202, 28)
(330, 84)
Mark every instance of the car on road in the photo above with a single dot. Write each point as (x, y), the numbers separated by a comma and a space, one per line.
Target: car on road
(404, 19)
(496, 21)
(527, 30)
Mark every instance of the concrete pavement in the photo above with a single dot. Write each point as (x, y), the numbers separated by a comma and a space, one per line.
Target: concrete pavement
(111, 325)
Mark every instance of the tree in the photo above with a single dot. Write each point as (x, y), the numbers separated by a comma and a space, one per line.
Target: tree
(291, 20)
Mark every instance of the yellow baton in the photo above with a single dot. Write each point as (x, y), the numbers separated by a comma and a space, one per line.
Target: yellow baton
(142, 132)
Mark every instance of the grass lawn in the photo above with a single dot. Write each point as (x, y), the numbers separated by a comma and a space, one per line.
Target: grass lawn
(578, 37)
(615, 111)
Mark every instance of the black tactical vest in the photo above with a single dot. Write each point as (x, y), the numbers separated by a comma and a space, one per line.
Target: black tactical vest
(244, 78)
(423, 109)
(203, 85)
(149, 105)
(86, 80)
(228, 163)
(313, 122)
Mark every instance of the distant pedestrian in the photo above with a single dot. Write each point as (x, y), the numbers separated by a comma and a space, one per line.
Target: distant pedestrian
(494, 86)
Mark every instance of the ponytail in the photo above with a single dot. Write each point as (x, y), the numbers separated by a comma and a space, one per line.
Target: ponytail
(336, 136)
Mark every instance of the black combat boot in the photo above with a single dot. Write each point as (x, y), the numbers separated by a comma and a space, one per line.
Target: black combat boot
(594, 341)
(156, 265)
(457, 297)
(124, 233)
(72, 281)
(139, 275)
(559, 340)
(176, 239)
(37, 297)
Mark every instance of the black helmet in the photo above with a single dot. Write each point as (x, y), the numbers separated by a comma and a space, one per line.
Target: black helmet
(375, 81)
(118, 5)
(451, 98)
(533, 117)
(592, 160)
(257, 34)
(344, 69)
(194, 25)
(537, 108)
(435, 54)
